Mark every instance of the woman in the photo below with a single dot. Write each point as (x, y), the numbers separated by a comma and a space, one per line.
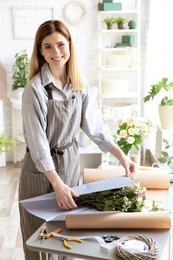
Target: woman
(56, 104)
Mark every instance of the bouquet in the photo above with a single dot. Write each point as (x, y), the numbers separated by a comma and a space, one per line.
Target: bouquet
(132, 131)
(127, 199)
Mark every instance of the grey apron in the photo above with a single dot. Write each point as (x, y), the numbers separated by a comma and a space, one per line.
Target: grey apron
(63, 122)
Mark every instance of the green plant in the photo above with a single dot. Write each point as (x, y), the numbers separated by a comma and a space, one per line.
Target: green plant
(7, 144)
(120, 20)
(131, 132)
(109, 20)
(20, 70)
(166, 156)
(127, 199)
(155, 89)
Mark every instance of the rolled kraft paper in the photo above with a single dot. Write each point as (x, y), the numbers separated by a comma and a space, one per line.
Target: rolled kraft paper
(150, 179)
(134, 220)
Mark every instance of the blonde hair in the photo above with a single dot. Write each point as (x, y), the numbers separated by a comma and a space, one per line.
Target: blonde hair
(37, 60)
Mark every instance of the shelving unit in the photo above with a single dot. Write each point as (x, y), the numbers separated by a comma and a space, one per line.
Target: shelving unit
(119, 67)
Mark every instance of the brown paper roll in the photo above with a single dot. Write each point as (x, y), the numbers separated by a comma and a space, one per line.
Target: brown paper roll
(149, 179)
(134, 220)
(156, 183)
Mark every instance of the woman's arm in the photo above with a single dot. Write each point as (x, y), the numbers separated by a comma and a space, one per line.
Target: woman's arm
(129, 166)
(63, 193)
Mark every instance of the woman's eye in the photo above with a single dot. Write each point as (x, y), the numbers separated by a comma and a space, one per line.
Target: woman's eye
(61, 44)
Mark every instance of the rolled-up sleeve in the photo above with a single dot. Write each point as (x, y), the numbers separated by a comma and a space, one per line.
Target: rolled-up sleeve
(93, 124)
(34, 112)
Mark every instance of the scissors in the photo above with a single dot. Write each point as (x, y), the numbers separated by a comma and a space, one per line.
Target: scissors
(44, 234)
(69, 239)
(109, 238)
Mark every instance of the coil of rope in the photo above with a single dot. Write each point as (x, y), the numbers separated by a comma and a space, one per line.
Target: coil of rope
(151, 253)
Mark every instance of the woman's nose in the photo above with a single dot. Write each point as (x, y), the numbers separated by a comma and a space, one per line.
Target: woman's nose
(56, 50)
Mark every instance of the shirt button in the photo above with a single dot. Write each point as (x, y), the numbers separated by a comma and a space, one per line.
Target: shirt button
(65, 98)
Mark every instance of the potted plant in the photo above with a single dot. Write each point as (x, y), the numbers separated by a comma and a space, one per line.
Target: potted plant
(20, 71)
(7, 144)
(166, 156)
(109, 21)
(120, 22)
(166, 104)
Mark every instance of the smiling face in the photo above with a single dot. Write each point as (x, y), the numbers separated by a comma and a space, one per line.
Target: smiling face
(55, 49)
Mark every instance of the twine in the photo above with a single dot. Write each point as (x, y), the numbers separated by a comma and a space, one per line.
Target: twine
(147, 255)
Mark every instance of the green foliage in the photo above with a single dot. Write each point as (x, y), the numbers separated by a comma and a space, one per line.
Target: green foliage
(126, 199)
(20, 70)
(109, 20)
(157, 88)
(120, 20)
(166, 156)
(7, 144)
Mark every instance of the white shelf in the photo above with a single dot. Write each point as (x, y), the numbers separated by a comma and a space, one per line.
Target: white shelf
(119, 31)
(125, 11)
(115, 49)
(119, 63)
(119, 68)
(124, 95)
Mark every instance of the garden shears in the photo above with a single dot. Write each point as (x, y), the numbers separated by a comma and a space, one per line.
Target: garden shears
(44, 233)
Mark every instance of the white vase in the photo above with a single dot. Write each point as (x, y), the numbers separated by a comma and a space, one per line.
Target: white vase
(166, 117)
(18, 93)
(135, 155)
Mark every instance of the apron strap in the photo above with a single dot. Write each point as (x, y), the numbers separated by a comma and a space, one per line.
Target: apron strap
(56, 149)
(60, 150)
(49, 91)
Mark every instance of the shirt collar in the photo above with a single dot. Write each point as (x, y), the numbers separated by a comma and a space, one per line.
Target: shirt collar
(47, 77)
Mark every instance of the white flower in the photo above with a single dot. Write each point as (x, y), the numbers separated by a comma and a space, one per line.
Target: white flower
(144, 209)
(148, 204)
(123, 133)
(120, 121)
(130, 121)
(136, 131)
(144, 127)
(131, 131)
(130, 140)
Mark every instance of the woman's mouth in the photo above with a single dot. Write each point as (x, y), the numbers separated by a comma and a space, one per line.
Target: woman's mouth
(57, 59)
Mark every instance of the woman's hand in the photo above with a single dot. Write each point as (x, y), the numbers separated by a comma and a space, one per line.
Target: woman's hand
(64, 197)
(63, 193)
(129, 166)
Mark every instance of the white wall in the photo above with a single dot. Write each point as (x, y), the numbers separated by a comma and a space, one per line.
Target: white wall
(85, 33)
(159, 58)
